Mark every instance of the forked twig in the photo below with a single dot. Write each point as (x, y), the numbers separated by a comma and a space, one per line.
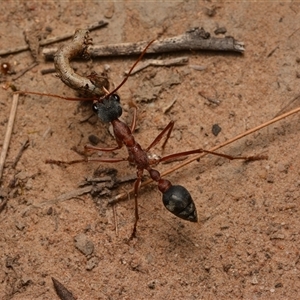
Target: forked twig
(194, 39)
(123, 195)
(8, 132)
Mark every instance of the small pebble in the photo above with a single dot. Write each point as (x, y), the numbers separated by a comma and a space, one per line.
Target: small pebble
(216, 129)
(83, 244)
(92, 263)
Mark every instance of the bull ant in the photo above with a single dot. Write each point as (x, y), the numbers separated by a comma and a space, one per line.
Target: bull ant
(176, 198)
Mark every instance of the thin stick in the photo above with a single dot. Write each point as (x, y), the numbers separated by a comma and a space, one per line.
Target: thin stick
(194, 39)
(25, 71)
(91, 27)
(23, 148)
(179, 166)
(52, 40)
(116, 220)
(8, 132)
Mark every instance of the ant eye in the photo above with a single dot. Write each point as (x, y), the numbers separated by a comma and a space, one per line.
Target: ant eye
(95, 108)
(116, 97)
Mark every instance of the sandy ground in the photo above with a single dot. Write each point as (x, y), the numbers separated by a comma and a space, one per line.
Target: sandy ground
(246, 243)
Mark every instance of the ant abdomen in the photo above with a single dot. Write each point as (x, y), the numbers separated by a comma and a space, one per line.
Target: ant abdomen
(179, 202)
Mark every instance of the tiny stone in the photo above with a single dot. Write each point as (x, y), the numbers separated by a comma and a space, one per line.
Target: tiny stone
(254, 280)
(220, 30)
(92, 263)
(20, 225)
(278, 236)
(270, 178)
(50, 211)
(216, 129)
(94, 140)
(282, 168)
(83, 244)
(151, 285)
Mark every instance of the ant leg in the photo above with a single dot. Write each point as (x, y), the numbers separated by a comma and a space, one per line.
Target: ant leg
(93, 148)
(53, 95)
(136, 208)
(107, 149)
(168, 129)
(88, 159)
(71, 162)
(197, 151)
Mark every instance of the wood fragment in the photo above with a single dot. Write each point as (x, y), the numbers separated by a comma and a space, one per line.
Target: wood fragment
(48, 71)
(214, 101)
(62, 292)
(8, 132)
(194, 39)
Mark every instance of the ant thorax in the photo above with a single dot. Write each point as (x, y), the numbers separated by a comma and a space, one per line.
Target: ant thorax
(154, 159)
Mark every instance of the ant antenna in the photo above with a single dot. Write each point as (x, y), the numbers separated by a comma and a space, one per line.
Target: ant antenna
(125, 79)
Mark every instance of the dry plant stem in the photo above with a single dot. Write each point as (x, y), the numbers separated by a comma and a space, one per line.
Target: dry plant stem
(78, 47)
(179, 166)
(68, 195)
(25, 71)
(8, 132)
(195, 39)
(52, 40)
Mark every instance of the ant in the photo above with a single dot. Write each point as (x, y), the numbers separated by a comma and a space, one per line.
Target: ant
(176, 198)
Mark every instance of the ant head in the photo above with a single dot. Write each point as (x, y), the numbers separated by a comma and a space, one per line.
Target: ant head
(109, 108)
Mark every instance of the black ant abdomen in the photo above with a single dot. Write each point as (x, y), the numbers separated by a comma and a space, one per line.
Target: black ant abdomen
(179, 202)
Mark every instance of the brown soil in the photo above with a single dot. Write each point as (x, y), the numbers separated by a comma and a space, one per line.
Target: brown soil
(246, 243)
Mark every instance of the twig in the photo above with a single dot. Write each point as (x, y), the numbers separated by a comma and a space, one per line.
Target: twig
(8, 132)
(78, 47)
(52, 40)
(21, 73)
(122, 196)
(194, 39)
(3, 203)
(23, 148)
(178, 61)
(116, 220)
(287, 106)
(91, 27)
(68, 195)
